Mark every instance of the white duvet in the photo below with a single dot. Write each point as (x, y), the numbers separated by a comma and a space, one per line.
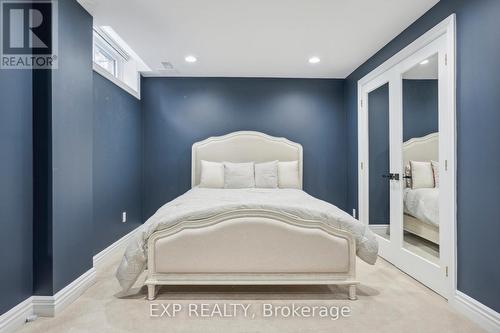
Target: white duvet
(200, 203)
(423, 203)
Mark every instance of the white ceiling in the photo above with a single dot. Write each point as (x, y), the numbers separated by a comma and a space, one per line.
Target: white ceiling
(257, 38)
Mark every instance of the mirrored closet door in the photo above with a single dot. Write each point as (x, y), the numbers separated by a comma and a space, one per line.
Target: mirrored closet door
(420, 91)
(379, 160)
(406, 152)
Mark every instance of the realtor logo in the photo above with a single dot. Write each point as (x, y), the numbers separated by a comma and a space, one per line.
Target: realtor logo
(28, 34)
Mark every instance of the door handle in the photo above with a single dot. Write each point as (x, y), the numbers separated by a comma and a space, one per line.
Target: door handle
(392, 176)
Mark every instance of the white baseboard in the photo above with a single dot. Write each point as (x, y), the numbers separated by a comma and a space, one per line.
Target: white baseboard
(16, 317)
(104, 253)
(479, 313)
(49, 306)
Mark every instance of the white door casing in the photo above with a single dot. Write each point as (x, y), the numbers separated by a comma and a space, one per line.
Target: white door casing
(441, 40)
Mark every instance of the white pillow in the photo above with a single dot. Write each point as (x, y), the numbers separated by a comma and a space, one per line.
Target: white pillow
(408, 175)
(421, 175)
(266, 174)
(212, 174)
(239, 175)
(435, 170)
(288, 174)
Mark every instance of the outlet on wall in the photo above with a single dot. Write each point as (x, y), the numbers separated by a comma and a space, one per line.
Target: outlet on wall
(124, 217)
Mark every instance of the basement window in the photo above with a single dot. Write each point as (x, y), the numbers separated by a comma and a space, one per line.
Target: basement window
(115, 60)
(108, 55)
(104, 59)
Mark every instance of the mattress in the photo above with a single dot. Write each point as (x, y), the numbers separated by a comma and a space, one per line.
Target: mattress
(200, 203)
(423, 204)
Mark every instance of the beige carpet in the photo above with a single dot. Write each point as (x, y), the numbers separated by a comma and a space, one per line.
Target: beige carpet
(389, 301)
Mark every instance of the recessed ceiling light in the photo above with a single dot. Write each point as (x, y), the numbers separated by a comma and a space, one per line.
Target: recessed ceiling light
(314, 60)
(425, 62)
(190, 58)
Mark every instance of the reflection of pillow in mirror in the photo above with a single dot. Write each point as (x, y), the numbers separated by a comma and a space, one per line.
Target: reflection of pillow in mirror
(421, 175)
(408, 175)
(435, 171)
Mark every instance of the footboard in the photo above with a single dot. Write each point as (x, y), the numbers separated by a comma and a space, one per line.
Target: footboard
(251, 247)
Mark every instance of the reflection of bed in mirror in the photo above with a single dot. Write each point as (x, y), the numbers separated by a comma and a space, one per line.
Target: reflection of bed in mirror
(421, 206)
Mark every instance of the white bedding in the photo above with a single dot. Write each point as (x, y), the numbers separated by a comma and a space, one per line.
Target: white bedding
(423, 203)
(200, 203)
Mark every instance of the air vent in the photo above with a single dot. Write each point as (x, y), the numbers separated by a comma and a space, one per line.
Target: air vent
(167, 65)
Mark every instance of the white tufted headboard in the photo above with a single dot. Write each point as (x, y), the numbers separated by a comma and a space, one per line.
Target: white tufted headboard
(243, 146)
(425, 148)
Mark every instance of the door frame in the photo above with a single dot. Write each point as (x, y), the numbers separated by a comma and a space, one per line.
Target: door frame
(385, 73)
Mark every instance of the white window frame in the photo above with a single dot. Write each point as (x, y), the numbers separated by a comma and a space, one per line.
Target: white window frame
(111, 48)
(104, 51)
(107, 46)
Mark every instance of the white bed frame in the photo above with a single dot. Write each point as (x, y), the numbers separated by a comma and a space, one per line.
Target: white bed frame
(424, 148)
(250, 246)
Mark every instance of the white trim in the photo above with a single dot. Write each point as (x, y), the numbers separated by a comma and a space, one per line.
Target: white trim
(13, 319)
(101, 256)
(98, 69)
(476, 311)
(442, 37)
(378, 227)
(112, 43)
(49, 306)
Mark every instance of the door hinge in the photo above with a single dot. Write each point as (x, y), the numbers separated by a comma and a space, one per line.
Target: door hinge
(446, 59)
(361, 101)
(361, 165)
(446, 271)
(445, 165)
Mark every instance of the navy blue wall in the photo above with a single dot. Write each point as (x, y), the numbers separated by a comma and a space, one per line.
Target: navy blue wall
(72, 137)
(180, 111)
(420, 108)
(478, 129)
(16, 169)
(42, 182)
(67, 234)
(378, 122)
(117, 170)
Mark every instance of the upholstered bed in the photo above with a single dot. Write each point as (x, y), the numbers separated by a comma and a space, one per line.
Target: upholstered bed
(247, 236)
(421, 206)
